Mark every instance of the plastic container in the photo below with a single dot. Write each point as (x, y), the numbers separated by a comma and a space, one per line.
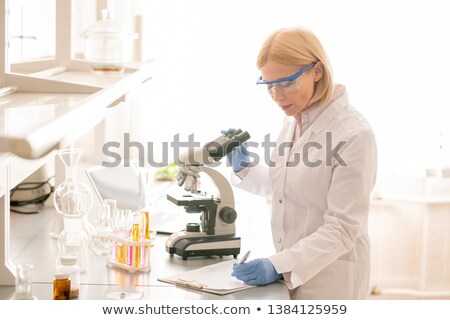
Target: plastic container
(69, 265)
(108, 45)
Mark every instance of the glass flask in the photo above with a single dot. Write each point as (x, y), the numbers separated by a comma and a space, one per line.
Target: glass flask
(73, 200)
(23, 282)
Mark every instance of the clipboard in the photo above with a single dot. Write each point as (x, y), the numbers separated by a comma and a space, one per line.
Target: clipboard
(215, 278)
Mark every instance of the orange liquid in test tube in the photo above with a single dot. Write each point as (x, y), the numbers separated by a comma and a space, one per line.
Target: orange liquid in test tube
(124, 253)
(146, 219)
(119, 253)
(135, 234)
(137, 256)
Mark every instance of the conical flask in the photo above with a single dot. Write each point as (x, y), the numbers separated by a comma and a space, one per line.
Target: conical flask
(73, 200)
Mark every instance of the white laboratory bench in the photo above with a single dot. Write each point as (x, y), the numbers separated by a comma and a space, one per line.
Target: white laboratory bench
(31, 243)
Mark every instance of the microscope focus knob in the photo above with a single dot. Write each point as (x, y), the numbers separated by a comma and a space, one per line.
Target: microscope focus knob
(228, 215)
(193, 227)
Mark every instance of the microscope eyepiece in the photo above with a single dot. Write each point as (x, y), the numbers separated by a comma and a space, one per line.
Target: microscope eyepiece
(242, 137)
(223, 145)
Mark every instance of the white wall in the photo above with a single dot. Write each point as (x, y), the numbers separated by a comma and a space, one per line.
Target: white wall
(391, 55)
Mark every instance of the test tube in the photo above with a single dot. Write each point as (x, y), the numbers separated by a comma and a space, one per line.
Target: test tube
(112, 205)
(128, 229)
(146, 224)
(145, 235)
(137, 220)
(117, 220)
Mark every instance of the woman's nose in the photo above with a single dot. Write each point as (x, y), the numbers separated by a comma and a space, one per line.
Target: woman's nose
(276, 94)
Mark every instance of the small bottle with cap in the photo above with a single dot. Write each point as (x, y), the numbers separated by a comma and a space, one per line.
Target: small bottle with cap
(61, 286)
(69, 265)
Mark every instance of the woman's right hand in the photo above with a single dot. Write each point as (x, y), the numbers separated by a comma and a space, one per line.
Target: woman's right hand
(239, 157)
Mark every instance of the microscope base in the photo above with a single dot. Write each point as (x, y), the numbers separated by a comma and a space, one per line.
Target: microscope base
(206, 246)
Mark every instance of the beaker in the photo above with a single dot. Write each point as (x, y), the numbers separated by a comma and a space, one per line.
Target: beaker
(100, 244)
(24, 282)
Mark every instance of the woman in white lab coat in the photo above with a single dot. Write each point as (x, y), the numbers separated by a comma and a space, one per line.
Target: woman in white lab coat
(319, 177)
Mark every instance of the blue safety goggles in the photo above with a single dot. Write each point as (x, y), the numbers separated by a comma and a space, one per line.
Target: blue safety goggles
(285, 85)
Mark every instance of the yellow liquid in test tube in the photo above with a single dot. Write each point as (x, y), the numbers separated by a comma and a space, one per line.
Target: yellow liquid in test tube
(146, 233)
(137, 256)
(135, 237)
(135, 232)
(146, 223)
(119, 252)
(124, 253)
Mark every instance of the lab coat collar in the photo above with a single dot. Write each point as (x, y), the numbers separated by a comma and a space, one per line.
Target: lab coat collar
(338, 101)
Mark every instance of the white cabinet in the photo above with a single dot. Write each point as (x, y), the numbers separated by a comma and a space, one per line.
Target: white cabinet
(410, 240)
(52, 106)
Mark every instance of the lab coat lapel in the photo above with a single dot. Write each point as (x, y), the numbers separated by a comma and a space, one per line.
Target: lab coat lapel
(298, 145)
(285, 150)
(294, 146)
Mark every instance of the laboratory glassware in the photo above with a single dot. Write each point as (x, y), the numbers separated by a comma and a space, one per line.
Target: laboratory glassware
(100, 243)
(131, 250)
(73, 200)
(24, 282)
(108, 45)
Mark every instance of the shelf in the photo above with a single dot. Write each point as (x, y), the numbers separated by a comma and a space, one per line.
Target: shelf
(61, 108)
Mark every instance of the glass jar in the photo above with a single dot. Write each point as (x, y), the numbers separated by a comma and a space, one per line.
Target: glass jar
(69, 265)
(108, 45)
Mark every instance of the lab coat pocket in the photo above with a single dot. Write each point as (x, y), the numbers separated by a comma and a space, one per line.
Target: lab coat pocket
(335, 282)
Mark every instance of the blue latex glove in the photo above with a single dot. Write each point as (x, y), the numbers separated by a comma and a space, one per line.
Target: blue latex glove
(256, 272)
(239, 157)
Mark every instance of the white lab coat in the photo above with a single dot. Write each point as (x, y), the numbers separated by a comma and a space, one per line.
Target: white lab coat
(320, 214)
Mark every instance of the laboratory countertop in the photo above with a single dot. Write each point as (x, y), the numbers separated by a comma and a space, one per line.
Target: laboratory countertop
(31, 243)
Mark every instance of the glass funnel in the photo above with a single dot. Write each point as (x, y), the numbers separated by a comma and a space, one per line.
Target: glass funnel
(73, 200)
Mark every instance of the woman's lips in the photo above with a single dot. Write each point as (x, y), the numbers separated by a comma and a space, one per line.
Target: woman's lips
(286, 107)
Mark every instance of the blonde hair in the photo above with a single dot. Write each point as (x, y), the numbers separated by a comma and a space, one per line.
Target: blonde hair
(299, 47)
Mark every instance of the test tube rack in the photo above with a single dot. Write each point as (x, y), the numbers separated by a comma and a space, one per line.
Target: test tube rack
(126, 242)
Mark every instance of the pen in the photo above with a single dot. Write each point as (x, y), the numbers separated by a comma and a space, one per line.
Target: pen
(245, 257)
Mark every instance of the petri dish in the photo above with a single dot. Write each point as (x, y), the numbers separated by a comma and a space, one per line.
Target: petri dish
(123, 293)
